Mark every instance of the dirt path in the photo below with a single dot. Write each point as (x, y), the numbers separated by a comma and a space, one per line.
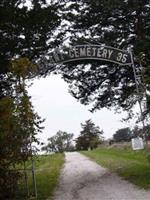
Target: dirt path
(82, 179)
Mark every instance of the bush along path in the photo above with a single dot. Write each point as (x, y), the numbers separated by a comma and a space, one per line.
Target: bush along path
(83, 179)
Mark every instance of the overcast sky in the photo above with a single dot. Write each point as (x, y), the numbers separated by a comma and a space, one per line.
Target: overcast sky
(52, 101)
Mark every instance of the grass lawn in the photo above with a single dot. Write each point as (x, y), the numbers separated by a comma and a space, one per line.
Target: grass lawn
(47, 173)
(131, 165)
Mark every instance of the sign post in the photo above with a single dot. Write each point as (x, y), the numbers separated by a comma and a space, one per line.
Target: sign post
(137, 82)
(137, 143)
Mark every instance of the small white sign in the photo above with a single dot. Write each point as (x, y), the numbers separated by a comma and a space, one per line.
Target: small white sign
(137, 143)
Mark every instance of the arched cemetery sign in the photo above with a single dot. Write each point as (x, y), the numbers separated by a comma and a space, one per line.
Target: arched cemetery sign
(95, 52)
(91, 52)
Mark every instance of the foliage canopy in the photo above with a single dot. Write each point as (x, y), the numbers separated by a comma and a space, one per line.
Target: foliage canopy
(19, 125)
(121, 24)
(122, 135)
(60, 142)
(90, 136)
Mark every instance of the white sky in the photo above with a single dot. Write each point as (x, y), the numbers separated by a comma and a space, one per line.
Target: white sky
(52, 101)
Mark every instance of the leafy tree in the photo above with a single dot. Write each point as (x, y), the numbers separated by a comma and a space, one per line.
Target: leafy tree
(27, 29)
(19, 125)
(60, 142)
(122, 135)
(138, 132)
(89, 137)
(121, 24)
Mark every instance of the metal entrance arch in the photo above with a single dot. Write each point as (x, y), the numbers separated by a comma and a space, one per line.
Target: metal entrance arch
(91, 52)
(96, 52)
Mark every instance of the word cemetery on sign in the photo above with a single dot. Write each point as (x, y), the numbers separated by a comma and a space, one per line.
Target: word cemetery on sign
(91, 52)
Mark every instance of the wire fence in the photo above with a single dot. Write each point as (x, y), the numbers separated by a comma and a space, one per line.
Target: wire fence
(25, 185)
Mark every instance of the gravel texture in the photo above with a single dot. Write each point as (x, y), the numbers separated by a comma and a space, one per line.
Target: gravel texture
(83, 179)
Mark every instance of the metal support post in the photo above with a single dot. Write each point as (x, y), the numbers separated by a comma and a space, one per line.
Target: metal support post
(26, 179)
(33, 177)
(138, 92)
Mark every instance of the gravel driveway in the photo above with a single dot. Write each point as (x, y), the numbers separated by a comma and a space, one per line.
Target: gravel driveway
(83, 179)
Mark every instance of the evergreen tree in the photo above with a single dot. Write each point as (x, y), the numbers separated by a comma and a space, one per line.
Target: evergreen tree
(27, 29)
(89, 137)
(122, 135)
(121, 24)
